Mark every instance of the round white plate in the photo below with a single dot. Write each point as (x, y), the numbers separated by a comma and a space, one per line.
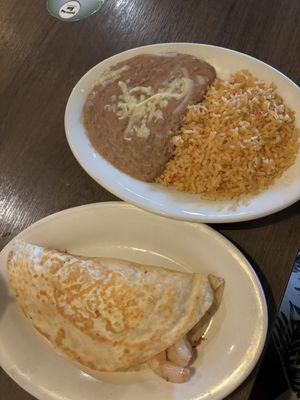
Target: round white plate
(166, 201)
(234, 339)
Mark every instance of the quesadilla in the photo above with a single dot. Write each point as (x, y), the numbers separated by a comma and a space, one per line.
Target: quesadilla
(109, 314)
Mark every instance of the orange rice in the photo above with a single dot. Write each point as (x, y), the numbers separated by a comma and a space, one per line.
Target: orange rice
(235, 143)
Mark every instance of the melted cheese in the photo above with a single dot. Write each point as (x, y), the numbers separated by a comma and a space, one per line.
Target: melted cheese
(141, 105)
(110, 76)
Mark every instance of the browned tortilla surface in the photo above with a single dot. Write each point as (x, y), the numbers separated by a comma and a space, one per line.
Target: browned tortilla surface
(105, 314)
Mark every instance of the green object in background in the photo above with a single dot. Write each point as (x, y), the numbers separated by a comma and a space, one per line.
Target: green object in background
(74, 10)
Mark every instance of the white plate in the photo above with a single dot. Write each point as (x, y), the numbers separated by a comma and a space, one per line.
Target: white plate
(234, 339)
(167, 201)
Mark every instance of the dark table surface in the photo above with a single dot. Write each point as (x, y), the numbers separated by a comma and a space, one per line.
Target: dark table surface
(42, 59)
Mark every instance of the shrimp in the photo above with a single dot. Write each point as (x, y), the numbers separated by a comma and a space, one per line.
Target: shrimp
(180, 352)
(167, 369)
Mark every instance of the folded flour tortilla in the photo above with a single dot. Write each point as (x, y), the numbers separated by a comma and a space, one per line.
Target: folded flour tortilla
(107, 314)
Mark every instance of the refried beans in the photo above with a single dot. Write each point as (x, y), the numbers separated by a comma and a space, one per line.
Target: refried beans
(136, 106)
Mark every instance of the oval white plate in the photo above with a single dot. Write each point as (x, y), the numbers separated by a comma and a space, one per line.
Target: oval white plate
(167, 201)
(234, 340)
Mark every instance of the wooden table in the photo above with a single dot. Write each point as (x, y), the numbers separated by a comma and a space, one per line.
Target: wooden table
(42, 59)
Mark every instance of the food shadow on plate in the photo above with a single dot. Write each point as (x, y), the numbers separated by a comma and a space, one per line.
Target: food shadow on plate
(144, 376)
(125, 378)
(5, 297)
(185, 199)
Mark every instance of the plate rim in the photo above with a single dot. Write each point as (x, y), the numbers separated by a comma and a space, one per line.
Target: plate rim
(133, 198)
(221, 239)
